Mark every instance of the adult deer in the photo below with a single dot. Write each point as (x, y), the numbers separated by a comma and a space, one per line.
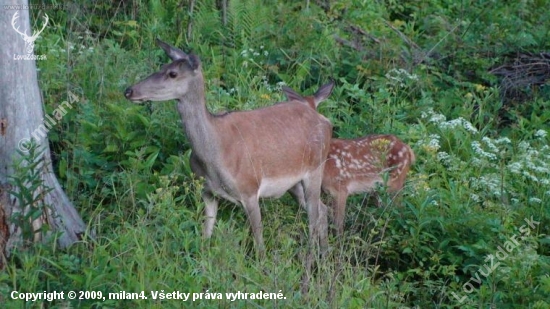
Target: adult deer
(357, 165)
(248, 154)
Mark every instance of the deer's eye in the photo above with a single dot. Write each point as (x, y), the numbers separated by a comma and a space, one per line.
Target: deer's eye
(173, 74)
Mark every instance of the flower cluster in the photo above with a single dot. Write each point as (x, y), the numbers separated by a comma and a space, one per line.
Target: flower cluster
(399, 77)
(257, 59)
(277, 88)
(490, 183)
(478, 150)
(532, 164)
(250, 53)
(441, 121)
(254, 56)
(430, 144)
(541, 133)
(498, 161)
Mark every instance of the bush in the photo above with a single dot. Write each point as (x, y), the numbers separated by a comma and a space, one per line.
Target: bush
(415, 69)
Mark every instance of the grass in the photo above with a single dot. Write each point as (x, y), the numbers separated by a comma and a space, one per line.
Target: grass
(477, 177)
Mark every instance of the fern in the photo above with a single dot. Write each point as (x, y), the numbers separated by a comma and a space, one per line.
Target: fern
(246, 20)
(207, 23)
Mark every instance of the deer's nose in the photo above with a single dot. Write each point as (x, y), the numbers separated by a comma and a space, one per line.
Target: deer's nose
(128, 92)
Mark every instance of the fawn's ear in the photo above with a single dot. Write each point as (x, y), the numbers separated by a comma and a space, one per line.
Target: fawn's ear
(292, 95)
(323, 93)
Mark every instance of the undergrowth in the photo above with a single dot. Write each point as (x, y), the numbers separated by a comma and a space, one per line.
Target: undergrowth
(417, 70)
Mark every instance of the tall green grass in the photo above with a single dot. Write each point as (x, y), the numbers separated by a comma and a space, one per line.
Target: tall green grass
(126, 166)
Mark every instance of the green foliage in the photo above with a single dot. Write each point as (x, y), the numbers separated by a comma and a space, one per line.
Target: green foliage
(417, 69)
(29, 190)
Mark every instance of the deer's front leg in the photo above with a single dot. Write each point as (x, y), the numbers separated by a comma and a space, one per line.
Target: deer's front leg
(210, 211)
(252, 208)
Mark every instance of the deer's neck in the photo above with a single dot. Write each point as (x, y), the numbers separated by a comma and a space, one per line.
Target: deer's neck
(197, 122)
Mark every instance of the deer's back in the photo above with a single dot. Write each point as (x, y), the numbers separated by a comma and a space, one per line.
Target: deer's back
(357, 165)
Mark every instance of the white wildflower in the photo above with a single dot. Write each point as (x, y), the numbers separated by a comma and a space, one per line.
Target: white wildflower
(529, 176)
(541, 133)
(455, 123)
(523, 145)
(399, 76)
(503, 140)
(438, 118)
(468, 126)
(424, 115)
(442, 122)
(535, 200)
(476, 146)
(490, 144)
(515, 167)
(444, 158)
(434, 141)
(477, 162)
(279, 85)
(490, 183)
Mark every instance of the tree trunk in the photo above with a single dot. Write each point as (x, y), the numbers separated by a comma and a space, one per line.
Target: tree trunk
(22, 119)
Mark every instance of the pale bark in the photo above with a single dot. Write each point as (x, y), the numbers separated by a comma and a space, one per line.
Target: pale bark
(21, 113)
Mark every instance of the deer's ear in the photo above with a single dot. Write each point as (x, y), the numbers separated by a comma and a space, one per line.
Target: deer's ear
(292, 95)
(323, 92)
(172, 52)
(194, 61)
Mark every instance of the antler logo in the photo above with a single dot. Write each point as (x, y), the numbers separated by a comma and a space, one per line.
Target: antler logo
(29, 40)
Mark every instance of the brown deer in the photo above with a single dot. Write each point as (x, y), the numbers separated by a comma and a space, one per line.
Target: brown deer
(244, 155)
(357, 165)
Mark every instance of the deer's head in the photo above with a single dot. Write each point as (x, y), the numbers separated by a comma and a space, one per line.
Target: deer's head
(172, 81)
